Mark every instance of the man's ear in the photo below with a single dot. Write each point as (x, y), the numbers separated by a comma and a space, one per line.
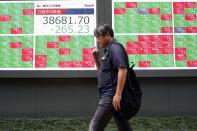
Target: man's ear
(108, 36)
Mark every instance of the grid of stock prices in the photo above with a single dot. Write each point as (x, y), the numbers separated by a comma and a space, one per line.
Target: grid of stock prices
(157, 34)
(47, 35)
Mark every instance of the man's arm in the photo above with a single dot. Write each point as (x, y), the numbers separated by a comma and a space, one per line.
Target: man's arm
(95, 53)
(122, 74)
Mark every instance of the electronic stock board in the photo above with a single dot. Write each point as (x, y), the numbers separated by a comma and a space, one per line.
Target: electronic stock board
(47, 35)
(157, 34)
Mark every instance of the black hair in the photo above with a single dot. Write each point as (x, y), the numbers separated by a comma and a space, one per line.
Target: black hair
(103, 30)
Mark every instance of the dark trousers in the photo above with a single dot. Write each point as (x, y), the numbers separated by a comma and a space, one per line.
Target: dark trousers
(104, 113)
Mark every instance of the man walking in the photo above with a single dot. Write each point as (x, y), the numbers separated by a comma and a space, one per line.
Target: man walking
(112, 71)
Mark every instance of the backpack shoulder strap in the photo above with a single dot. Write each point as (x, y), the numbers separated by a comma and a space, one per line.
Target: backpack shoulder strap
(111, 58)
(124, 51)
(132, 64)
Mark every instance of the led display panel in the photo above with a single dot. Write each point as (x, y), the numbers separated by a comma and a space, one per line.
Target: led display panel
(157, 34)
(47, 35)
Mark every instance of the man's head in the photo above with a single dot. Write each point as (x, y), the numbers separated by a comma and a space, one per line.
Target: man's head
(104, 35)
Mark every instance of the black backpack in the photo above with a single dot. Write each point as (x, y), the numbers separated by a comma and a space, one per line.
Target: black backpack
(131, 95)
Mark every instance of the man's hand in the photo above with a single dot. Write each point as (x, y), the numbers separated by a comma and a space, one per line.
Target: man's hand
(95, 54)
(116, 102)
